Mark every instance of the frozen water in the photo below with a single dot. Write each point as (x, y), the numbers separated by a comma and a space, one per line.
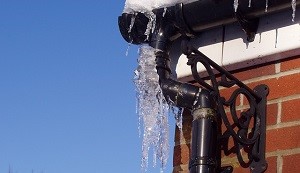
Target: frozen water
(153, 109)
(294, 10)
(151, 24)
(249, 3)
(165, 10)
(235, 5)
(267, 5)
(131, 23)
(128, 47)
(178, 115)
(150, 111)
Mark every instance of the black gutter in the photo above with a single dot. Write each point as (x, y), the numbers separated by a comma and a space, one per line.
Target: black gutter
(193, 18)
(206, 14)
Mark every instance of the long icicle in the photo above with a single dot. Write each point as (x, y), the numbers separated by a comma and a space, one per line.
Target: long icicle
(235, 5)
(294, 10)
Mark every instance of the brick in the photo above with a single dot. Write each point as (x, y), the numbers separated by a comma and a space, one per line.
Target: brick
(283, 138)
(272, 113)
(290, 64)
(256, 71)
(291, 110)
(181, 154)
(290, 164)
(241, 170)
(272, 165)
(281, 87)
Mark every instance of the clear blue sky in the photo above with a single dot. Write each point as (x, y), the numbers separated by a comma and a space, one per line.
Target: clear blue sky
(67, 100)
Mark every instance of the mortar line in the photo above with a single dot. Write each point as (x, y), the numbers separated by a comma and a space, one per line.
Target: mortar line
(277, 67)
(279, 112)
(284, 99)
(279, 164)
(278, 75)
(283, 125)
(283, 152)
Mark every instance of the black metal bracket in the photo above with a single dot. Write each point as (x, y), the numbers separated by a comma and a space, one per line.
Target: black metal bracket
(248, 128)
(248, 25)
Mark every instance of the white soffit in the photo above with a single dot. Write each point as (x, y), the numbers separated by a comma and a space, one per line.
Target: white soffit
(277, 38)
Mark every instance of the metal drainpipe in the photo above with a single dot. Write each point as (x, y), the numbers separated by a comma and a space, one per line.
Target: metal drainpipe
(204, 136)
(205, 125)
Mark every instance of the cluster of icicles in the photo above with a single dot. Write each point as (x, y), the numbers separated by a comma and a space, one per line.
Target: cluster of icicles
(293, 4)
(152, 107)
(153, 110)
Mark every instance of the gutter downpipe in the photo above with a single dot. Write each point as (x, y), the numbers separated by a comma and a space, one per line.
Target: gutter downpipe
(188, 20)
(205, 126)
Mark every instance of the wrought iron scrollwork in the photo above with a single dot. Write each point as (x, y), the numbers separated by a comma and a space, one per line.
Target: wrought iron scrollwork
(247, 127)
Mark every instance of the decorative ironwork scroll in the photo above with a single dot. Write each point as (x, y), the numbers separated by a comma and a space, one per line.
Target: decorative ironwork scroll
(248, 129)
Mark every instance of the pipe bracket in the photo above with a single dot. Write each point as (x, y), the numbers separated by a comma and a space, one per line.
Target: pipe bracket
(249, 25)
(246, 127)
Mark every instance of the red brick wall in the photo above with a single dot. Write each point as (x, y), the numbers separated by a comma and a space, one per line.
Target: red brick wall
(283, 118)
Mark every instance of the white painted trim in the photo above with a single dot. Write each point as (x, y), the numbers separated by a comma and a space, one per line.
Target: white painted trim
(277, 38)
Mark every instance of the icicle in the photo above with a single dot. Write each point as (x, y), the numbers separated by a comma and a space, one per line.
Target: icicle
(152, 110)
(129, 31)
(151, 24)
(165, 11)
(131, 23)
(154, 157)
(128, 47)
(235, 5)
(276, 39)
(294, 10)
(137, 104)
(177, 112)
(267, 5)
(249, 3)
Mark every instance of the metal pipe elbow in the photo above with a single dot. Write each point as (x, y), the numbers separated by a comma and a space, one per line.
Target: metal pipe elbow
(181, 94)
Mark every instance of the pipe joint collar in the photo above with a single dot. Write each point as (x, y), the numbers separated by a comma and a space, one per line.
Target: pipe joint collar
(204, 113)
